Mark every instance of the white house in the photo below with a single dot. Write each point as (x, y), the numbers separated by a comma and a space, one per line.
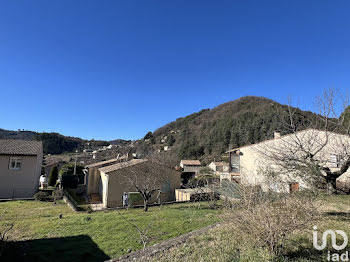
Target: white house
(248, 164)
(219, 167)
(191, 166)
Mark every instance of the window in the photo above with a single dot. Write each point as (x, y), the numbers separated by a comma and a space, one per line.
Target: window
(15, 163)
(334, 160)
(235, 163)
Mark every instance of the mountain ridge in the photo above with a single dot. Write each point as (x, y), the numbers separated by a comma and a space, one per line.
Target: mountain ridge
(208, 133)
(203, 135)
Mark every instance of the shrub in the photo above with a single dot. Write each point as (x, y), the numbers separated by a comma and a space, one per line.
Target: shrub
(149, 135)
(57, 194)
(206, 171)
(68, 169)
(69, 181)
(135, 198)
(41, 196)
(270, 219)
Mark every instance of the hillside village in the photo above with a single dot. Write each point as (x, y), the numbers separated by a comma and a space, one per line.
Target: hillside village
(174, 131)
(113, 179)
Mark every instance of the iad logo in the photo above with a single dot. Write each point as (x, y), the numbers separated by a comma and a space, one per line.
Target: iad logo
(333, 238)
(332, 256)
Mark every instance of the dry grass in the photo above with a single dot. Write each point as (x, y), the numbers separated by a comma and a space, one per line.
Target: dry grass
(228, 243)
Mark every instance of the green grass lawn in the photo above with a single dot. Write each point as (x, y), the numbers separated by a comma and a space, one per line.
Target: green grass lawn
(40, 235)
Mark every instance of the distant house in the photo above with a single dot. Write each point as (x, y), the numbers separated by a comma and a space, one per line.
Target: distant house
(114, 181)
(20, 168)
(219, 167)
(190, 166)
(111, 146)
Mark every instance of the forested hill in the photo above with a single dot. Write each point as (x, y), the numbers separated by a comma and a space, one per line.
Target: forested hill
(204, 135)
(53, 143)
(210, 132)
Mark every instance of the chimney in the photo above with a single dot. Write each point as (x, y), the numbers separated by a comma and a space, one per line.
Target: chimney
(276, 134)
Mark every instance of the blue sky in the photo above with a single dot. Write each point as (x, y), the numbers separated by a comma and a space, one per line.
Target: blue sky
(117, 69)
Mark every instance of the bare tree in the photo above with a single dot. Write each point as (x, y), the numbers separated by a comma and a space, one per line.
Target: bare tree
(319, 154)
(143, 231)
(148, 177)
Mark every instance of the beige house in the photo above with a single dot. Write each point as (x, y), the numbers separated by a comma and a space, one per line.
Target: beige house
(219, 167)
(114, 181)
(247, 164)
(20, 168)
(93, 176)
(191, 166)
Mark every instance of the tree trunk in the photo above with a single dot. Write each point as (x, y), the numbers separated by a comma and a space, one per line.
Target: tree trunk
(145, 206)
(331, 185)
(331, 179)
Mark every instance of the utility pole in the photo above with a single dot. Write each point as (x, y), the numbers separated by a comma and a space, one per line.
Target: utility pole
(75, 164)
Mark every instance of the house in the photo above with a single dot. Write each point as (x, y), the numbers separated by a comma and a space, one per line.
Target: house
(92, 174)
(119, 178)
(48, 167)
(219, 167)
(94, 154)
(190, 166)
(20, 168)
(247, 164)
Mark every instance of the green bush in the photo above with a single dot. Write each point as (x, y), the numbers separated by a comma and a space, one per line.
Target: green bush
(69, 181)
(68, 169)
(53, 176)
(135, 198)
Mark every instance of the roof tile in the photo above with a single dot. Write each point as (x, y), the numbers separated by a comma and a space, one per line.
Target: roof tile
(121, 165)
(20, 147)
(191, 162)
